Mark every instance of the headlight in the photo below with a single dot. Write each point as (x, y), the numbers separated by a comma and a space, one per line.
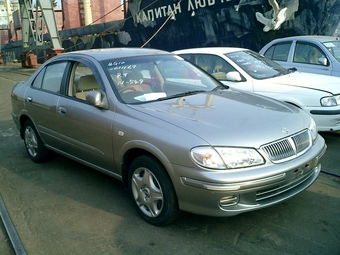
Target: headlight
(207, 157)
(337, 98)
(225, 157)
(313, 129)
(328, 101)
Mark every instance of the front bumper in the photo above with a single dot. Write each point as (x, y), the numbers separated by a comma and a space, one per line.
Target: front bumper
(327, 120)
(230, 192)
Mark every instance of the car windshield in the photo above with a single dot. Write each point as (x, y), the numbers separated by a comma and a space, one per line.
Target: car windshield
(158, 77)
(334, 48)
(256, 65)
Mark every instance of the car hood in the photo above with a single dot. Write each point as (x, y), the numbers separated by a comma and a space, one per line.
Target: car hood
(308, 80)
(229, 117)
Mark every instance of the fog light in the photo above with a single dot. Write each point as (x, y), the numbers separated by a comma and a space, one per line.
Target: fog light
(228, 201)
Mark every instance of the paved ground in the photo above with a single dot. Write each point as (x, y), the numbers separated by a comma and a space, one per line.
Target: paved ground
(62, 207)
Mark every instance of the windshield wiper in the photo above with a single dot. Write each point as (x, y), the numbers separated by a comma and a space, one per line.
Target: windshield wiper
(277, 75)
(292, 70)
(222, 87)
(188, 93)
(289, 70)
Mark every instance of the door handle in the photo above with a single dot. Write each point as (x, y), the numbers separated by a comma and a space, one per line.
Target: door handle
(61, 110)
(29, 99)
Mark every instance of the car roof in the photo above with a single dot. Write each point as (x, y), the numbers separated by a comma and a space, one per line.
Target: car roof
(319, 38)
(211, 50)
(108, 53)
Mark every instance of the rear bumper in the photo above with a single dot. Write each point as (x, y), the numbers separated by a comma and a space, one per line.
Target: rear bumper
(16, 121)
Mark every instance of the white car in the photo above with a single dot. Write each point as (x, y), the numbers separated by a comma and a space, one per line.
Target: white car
(318, 95)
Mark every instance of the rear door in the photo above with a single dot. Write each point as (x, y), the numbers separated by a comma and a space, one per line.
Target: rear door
(41, 101)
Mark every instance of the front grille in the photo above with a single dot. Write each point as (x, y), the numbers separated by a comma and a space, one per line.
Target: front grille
(288, 148)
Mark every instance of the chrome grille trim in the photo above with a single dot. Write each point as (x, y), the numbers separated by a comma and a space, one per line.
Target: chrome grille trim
(302, 141)
(288, 148)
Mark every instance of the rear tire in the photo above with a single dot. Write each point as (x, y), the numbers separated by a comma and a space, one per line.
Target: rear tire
(33, 143)
(152, 191)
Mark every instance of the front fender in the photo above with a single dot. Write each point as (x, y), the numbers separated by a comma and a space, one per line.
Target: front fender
(132, 149)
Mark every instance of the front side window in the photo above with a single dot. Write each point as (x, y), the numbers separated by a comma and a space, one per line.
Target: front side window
(214, 65)
(307, 53)
(82, 81)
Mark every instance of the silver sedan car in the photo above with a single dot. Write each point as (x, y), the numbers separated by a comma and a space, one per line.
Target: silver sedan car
(177, 138)
(309, 53)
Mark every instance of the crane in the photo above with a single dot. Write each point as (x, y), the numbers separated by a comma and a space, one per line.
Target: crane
(33, 25)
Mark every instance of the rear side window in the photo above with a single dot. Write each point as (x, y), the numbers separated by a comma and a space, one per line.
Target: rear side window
(50, 77)
(279, 52)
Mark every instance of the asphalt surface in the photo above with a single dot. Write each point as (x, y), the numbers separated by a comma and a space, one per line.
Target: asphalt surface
(62, 207)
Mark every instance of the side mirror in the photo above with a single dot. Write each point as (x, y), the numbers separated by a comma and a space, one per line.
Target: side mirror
(97, 99)
(323, 61)
(234, 76)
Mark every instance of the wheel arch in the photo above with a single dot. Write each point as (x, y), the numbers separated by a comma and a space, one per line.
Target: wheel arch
(128, 158)
(141, 148)
(22, 120)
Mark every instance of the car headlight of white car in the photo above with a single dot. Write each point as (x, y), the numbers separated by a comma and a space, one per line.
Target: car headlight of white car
(226, 157)
(337, 98)
(330, 101)
(313, 129)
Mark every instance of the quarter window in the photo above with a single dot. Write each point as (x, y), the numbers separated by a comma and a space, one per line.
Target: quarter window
(38, 79)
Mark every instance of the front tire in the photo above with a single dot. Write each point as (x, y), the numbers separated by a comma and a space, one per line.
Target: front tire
(33, 143)
(152, 191)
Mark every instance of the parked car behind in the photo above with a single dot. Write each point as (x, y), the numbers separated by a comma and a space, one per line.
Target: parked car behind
(177, 138)
(311, 54)
(317, 95)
